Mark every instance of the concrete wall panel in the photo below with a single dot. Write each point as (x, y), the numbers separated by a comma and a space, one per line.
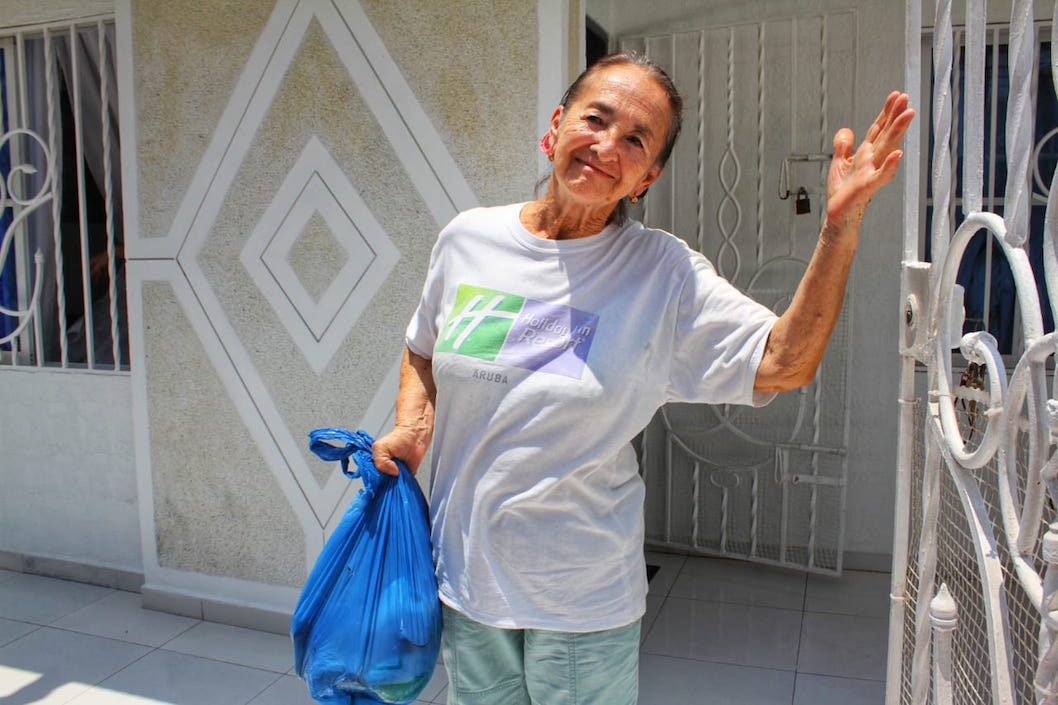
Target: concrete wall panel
(319, 99)
(472, 64)
(217, 509)
(69, 483)
(187, 57)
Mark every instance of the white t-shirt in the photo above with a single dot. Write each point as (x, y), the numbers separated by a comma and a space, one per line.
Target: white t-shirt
(549, 357)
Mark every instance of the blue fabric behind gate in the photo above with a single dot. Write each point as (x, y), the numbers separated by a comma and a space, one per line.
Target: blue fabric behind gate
(367, 627)
(8, 293)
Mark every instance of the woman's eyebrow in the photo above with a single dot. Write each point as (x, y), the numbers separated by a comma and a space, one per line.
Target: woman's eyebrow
(609, 111)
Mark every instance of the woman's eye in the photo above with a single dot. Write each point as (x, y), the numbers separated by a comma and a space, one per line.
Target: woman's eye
(636, 141)
(594, 119)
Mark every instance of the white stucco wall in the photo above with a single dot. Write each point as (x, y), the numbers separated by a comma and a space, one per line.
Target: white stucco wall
(67, 468)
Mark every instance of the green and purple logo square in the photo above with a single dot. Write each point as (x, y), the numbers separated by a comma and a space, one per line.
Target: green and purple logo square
(519, 332)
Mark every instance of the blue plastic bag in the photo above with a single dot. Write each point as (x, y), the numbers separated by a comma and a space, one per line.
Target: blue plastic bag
(367, 627)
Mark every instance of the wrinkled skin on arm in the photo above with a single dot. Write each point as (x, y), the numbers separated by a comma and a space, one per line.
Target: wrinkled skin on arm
(413, 430)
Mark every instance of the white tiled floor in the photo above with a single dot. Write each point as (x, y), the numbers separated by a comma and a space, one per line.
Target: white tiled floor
(716, 633)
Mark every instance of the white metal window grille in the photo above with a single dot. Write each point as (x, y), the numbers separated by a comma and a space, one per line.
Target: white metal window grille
(764, 485)
(975, 559)
(62, 279)
(990, 299)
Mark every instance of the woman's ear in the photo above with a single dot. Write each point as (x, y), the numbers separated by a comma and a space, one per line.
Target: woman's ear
(556, 120)
(651, 176)
(556, 117)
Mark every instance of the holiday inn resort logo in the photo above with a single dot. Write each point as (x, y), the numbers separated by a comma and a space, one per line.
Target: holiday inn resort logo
(518, 332)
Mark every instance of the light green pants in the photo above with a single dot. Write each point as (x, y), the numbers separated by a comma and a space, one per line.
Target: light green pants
(490, 666)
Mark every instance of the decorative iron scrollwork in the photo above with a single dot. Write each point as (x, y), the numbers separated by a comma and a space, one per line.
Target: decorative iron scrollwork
(12, 195)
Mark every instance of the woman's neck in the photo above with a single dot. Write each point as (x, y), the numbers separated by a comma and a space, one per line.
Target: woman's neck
(550, 219)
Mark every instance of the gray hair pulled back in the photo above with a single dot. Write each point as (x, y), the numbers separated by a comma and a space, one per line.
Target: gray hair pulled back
(657, 73)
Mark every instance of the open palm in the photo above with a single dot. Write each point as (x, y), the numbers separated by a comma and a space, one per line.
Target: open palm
(855, 176)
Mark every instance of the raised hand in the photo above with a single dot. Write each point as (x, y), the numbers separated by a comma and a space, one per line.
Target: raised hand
(855, 177)
(799, 338)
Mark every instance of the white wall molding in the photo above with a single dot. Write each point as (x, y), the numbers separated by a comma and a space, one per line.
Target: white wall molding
(130, 176)
(316, 184)
(552, 65)
(168, 272)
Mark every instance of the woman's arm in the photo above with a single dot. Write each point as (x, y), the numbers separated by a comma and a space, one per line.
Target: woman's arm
(413, 431)
(799, 338)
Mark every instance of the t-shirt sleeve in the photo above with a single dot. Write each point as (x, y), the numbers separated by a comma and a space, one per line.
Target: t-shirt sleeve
(718, 341)
(421, 333)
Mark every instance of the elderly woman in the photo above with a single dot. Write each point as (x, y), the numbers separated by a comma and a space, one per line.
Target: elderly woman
(547, 336)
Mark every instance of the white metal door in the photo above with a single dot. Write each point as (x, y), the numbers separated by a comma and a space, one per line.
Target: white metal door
(762, 101)
(975, 564)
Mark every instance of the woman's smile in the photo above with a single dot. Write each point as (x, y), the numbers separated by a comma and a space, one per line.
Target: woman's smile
(595, 168)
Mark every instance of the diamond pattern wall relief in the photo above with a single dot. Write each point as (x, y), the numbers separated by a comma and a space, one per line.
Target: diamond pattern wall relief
(317, 185)
(316, 253)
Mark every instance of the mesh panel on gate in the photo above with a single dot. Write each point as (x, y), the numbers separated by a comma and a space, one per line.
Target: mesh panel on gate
(918, 462)
(957, 566)
(1023, 618)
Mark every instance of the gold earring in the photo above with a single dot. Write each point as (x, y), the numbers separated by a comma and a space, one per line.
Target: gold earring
(550, 156)
(633, 199)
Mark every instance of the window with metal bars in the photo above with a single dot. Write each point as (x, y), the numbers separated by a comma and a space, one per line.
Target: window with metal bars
(62, 280)
(990, 298)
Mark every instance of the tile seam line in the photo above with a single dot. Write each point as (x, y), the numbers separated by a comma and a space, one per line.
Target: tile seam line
(800, 637)
(100, 682)
(93, 635)
(224, 661)
(691, 659)
(261, 692)
(745, 604)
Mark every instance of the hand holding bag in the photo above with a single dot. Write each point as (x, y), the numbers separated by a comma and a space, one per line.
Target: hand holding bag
(367, 627)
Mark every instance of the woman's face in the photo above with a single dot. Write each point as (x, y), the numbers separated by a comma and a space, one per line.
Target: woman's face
(606, 142)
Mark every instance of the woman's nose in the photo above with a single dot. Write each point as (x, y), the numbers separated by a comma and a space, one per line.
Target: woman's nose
(605, 143)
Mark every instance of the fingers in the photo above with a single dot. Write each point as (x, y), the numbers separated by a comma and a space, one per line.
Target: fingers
(893, 135)
(843, 142)
(884, 117)
(383, 460)
(857, 173)
(889, 167)
(887, 132)
(397, 445)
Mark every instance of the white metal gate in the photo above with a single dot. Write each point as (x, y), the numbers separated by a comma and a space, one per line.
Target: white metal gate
(975, 575)
(765, 485)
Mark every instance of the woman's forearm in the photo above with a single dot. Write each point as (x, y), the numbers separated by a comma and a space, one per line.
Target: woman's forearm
(799, 338)
(411, 435)
(417, 394)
